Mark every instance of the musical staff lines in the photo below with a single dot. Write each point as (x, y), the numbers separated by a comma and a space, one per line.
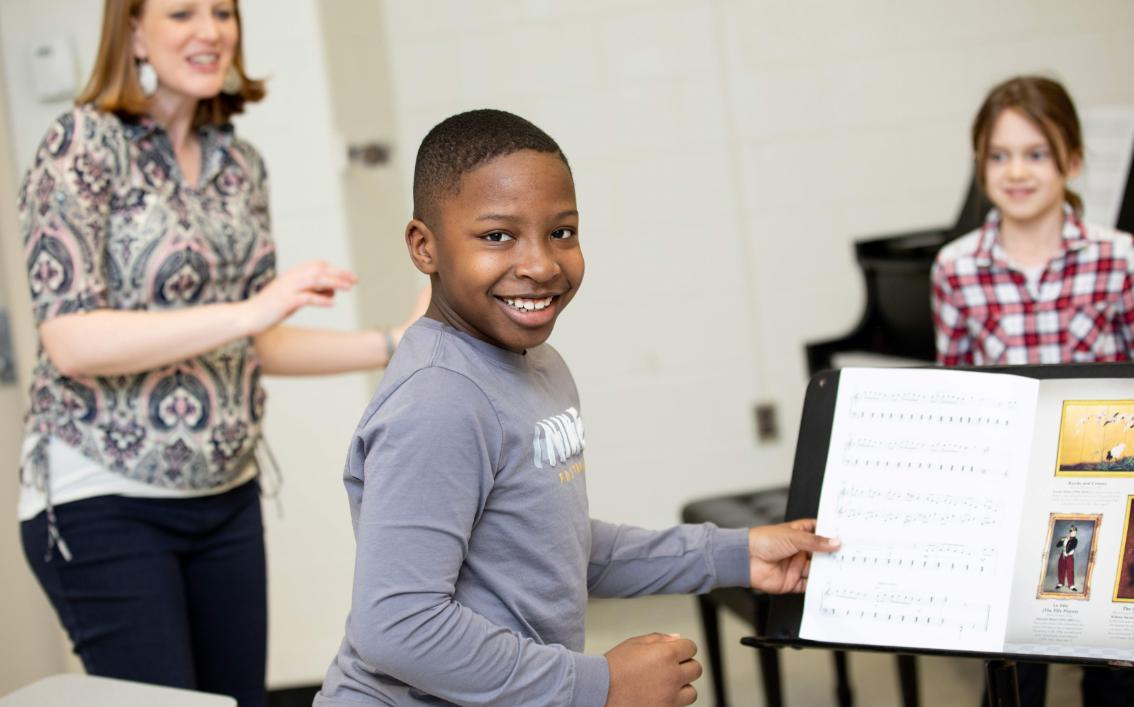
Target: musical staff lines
(907, 396)
(922, 418)
(851, 496)
(922, 446)
(953, 558)
(898, 606)
(923, 456)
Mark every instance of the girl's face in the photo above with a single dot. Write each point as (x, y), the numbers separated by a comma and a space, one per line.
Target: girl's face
(1021, 174)
(190, 44)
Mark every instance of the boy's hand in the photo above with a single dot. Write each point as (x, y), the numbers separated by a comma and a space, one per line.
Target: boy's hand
(654, 669)
(780, 555)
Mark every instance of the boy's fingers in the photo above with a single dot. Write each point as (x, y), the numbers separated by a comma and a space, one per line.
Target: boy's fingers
(807, 524)
(798, 565)
(683, 649)
(811, 542)
(690, 670)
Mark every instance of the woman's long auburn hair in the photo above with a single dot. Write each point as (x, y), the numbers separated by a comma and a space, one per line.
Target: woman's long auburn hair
(114, 87)
(1048, 106)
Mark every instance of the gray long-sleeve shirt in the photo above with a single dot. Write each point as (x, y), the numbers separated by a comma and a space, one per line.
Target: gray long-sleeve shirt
(475, 552)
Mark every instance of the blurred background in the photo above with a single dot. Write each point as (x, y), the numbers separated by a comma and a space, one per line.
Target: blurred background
(727, 153)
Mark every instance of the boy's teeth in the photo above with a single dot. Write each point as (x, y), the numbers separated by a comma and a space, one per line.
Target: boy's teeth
(530, 305)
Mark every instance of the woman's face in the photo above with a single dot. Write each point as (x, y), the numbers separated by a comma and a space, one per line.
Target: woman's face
(190, 44)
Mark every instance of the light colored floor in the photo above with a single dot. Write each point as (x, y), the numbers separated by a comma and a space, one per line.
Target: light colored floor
(808, 676)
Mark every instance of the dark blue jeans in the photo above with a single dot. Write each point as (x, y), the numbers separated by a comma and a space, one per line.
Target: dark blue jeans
(163, 591)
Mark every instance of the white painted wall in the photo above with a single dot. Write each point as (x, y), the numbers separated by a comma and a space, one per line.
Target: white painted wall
(23, 25)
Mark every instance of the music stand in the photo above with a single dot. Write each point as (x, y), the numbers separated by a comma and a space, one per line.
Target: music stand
(786, 611)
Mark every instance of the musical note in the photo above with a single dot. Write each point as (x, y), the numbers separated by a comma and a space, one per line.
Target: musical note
(880, 604)
(932, 557)
(933, 398)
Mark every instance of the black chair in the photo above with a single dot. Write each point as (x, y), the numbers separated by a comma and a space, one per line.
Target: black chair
(897, 322)
(1125, 220)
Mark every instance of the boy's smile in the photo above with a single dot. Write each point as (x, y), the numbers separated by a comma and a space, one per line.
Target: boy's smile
(503, 252)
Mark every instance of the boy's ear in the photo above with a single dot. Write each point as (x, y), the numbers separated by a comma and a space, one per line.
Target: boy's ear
(422, 245)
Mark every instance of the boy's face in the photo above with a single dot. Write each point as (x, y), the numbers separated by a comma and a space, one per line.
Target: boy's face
(503, 253)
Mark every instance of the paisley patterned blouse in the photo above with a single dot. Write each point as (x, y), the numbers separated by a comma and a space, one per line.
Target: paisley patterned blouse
(108, 223)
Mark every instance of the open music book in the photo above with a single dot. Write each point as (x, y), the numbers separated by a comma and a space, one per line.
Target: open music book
(978, 511)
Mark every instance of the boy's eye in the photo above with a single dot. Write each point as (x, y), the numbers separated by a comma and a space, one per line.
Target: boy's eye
(562, 233)
(496, 237)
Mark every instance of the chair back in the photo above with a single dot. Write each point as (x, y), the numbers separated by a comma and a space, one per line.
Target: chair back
(1125, 220)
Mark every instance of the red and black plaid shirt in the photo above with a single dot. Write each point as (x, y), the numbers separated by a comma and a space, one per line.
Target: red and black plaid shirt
(1081, 309)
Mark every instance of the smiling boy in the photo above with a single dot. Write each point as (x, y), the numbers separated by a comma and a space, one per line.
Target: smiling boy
(466, 479)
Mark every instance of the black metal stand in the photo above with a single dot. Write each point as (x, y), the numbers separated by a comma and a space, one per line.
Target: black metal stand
(1003, 689)
(1000, 677)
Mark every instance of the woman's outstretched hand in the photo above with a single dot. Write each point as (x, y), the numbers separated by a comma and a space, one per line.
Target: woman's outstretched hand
(312, 284)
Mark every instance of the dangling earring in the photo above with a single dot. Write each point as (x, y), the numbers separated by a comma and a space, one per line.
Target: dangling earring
(147, 78)
(232, 81)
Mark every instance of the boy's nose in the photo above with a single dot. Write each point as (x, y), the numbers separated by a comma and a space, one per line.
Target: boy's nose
(538, 263)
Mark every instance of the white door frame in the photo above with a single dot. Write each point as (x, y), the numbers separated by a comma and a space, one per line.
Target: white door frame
(37, 647)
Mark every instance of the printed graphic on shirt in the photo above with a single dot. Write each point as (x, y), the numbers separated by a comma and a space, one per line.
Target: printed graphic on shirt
(557, 438)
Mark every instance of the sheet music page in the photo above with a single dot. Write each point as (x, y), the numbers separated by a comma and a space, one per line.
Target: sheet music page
(924, 485)
(1108, 134)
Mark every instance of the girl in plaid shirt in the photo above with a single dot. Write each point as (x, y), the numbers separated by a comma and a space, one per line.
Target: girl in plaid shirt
(1036, 284)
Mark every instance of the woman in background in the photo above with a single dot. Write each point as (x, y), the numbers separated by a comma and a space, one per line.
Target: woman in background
(1036, 284)
(153, 279)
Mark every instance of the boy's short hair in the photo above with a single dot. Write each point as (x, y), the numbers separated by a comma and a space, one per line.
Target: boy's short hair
(462, 143)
